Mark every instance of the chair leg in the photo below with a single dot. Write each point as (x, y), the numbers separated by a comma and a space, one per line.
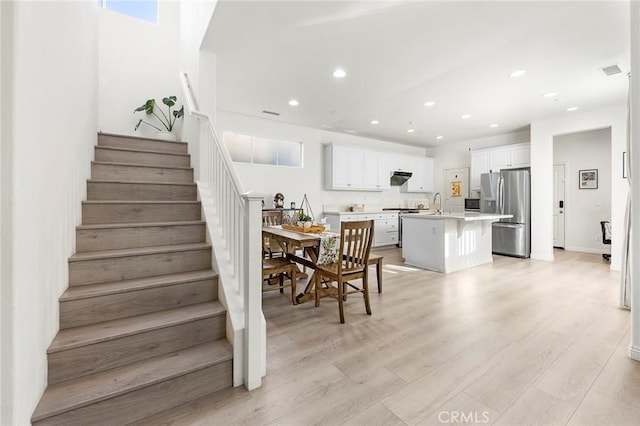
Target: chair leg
(340, 302)
(281, 282)
(293, 284)
(318, 282)
(379, 274)
(365, 293)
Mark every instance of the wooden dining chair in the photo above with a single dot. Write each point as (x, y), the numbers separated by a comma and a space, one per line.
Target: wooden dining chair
(355, 247)
(274, 273)
(271, 248)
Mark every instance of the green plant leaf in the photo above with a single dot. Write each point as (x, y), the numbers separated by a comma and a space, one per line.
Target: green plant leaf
(179, 113)
(169, 101)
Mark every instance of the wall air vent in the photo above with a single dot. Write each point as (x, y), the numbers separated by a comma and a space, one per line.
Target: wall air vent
(611, 70)
(271, 113)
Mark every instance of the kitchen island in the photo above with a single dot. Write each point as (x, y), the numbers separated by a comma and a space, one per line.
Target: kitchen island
(448, 242)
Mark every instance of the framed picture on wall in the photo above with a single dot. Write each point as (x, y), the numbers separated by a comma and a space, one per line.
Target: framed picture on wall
(588, 179)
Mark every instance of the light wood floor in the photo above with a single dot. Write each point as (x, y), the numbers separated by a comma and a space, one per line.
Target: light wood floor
(515, 342)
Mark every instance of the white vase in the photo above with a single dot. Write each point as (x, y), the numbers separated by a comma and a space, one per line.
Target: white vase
(307, 224)
(166, 136)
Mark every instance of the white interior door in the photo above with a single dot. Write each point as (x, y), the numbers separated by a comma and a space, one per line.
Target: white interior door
(558, 205)
(457, 181)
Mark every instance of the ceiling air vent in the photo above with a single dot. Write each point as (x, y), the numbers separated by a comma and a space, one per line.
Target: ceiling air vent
(611, 70)
(271, 112)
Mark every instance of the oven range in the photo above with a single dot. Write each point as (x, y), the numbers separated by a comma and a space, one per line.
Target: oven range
(401, 212)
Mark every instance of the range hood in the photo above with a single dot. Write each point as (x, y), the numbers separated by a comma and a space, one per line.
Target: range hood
(398, 178)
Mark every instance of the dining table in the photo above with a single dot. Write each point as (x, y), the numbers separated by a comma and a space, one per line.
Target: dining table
(290, 242)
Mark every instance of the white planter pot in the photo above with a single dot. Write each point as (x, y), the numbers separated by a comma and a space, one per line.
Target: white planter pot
(167, 136)
(307, 224)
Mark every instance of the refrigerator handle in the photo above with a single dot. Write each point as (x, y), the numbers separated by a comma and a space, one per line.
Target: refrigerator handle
(500, 195)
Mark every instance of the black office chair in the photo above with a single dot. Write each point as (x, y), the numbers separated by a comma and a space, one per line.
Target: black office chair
(606, 237)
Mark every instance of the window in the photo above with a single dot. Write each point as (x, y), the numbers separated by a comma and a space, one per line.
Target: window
(146, 10)
(248, 149)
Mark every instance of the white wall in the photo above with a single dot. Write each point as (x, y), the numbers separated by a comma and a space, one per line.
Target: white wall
(542, 134)
(585, 208)
(48, 131)
(458, 154)
(295, 182)
(138, 60)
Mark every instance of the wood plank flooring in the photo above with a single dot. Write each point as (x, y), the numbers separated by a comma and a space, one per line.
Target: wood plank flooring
(512, 343)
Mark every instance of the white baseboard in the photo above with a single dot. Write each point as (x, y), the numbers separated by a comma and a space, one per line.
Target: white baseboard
(585, 249)
(546, 258)
(634, 352)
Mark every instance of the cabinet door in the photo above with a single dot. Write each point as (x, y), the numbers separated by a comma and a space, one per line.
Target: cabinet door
(479, 164)
(427, 175)
(521, 155)
(370, 174)
(356, 168)
(341, 167)
(500, 158)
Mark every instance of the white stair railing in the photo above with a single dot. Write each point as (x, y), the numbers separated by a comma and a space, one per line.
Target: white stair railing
(234, 222)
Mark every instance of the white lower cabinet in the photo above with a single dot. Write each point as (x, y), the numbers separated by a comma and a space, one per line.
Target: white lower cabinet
(385, 231)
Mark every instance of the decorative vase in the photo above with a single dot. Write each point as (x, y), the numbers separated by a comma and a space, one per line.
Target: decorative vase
(307, 224)
(299, 224)
(167, 136)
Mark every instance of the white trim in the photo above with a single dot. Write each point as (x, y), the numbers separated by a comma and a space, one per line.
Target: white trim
(634, 352)
(586, 249)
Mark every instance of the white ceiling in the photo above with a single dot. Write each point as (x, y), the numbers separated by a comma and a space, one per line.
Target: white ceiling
(400, 54)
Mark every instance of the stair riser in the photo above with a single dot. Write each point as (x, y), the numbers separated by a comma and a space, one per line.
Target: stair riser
(141, 403)
(134, 237)
(103, 213)
(95, 271)
(75, 313)
(140, 174)
(134, 157)
(78, 362)
(98, 191)
(143, 144)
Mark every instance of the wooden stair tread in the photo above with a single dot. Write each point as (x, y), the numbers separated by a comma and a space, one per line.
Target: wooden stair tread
(66, 396)
(137, 251)
(146, 138)
(123, 286)
(153, 166)
(136, 182)
(139, 225)
(90, 334)
(146, 151)
(138, 202)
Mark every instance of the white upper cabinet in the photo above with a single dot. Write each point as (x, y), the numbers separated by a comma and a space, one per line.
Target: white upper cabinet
(355, 169)
(480, 163)
(384, 171)
(422, 177)
(496, 159)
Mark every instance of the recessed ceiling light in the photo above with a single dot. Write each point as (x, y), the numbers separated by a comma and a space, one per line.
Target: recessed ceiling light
(439, 137)
(374, 121)
(574, 108)
(339, 73)
(518, 73)
(550, 95)
(429, 103)
(464, 117)
(411, 130)
(293, 102)
(494, 125)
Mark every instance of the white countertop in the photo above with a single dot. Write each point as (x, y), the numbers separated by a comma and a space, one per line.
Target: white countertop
(463, 216)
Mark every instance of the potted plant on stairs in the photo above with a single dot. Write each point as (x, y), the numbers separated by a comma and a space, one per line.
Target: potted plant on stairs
(167, 121)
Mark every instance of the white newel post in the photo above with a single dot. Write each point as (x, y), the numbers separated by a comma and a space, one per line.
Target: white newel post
(254, 345)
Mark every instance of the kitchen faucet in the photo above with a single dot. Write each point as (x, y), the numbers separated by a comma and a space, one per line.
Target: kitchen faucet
(436, 195)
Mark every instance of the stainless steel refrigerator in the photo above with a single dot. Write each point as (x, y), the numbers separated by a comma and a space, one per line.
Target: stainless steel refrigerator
(509, 192)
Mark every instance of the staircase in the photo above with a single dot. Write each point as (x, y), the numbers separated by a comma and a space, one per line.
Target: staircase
(141, 329)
